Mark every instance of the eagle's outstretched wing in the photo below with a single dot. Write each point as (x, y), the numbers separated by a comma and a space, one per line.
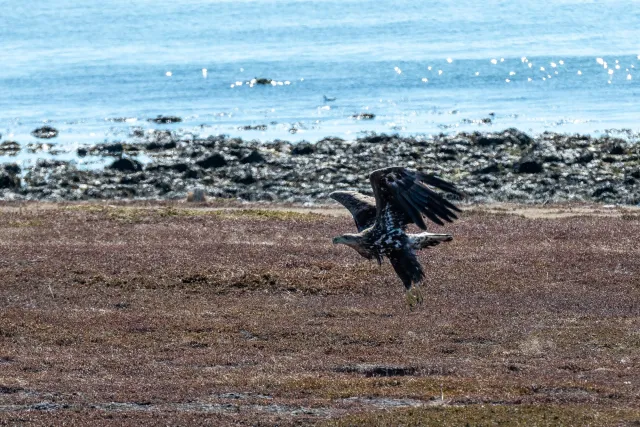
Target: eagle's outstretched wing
(402, 197)
(362, 207)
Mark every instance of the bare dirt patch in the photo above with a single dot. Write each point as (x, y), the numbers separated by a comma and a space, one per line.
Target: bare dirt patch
(140, 314)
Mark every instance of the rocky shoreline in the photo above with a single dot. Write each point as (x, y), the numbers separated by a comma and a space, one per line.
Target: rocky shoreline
(507, 166)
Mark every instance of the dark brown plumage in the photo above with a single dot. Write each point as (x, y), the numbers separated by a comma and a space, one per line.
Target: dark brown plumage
(402, 197)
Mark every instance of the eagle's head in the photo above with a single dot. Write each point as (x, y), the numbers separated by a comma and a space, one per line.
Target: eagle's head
(352, 240)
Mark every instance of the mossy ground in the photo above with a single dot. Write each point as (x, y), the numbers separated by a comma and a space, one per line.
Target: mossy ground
(139, 314)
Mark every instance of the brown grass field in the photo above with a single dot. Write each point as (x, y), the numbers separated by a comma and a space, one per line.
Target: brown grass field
(172, 315)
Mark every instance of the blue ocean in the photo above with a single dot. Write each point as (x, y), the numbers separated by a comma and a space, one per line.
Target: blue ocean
(96, 70)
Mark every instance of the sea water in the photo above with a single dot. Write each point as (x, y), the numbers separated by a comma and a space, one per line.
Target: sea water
(97, 70)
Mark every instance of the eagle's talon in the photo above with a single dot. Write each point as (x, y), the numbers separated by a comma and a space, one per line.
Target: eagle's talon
(418, 292)
(414, 297)
(411, 301)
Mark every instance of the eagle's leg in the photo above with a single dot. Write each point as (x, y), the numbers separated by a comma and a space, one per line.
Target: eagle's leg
(414, 296)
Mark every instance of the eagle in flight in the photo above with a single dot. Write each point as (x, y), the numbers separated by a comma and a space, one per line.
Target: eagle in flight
(401, 197)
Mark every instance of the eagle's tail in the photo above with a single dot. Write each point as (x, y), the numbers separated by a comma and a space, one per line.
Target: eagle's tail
(425, 240)
(407, 267)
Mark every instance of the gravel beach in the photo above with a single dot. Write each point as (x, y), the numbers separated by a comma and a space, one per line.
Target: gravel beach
(506, 166)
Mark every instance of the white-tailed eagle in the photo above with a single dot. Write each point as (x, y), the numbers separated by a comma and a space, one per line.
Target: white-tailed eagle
(402, 197)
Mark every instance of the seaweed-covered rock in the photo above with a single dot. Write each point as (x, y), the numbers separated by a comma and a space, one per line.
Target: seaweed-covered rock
(9, 176)
(161, 145)
(253, 157)
(246, 179)
(112, 149)
(253, 127)
(9, 181)
(489, 169)
(126, 165)
(585, 157)
(12, 168)
(166, 119)
(303, 148)
(9, 148)
(45, 132)
(521, 137)
(490, 139)
(495, 166)
(379, 139)
(364, 116)
(528, 165)
(216, 160)
(606, 188)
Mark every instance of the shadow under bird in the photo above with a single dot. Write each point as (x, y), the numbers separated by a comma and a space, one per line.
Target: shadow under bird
(401, 197)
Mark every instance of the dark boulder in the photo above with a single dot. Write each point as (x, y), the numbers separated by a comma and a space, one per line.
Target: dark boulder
(137, 133)
(255, 127)
(159, 145)
(166, 119)
(9, 147)
(604, 189)
(378, 139)
(126, 165)
(163, 185)
(253, 157)
(216, 160)
(45, 132)
(262, 81)
(303, 148)
(364, 116)
(615, 146)
(521, 137)
(528, 165)
(192, 173)
(112, 149)
(9, 176)
(246, 179)
(179, 167)
(491, 168)
(51, 164)
(585, 157)
(278, 145)
(511, 135)
(616, 149)
(490, 139)
(133, 179)
(329, 145)
(551, 156)
(9, 181)
(12, 168)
